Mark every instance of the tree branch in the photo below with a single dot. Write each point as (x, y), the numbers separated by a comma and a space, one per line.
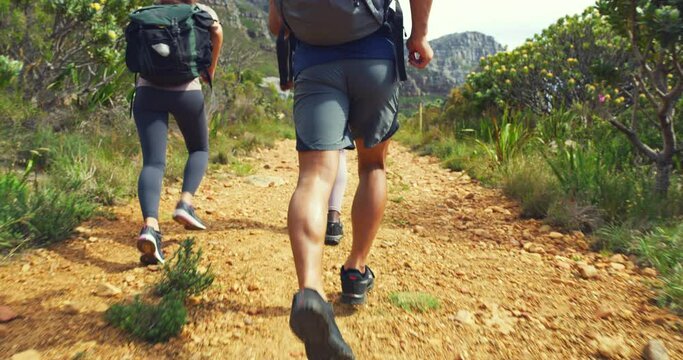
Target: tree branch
(635, 140)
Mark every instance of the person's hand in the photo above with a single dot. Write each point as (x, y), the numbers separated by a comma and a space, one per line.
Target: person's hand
(420, 53)
(211, 74)
(287, 86)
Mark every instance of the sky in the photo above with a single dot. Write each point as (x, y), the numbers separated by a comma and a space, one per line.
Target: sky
(510, 22)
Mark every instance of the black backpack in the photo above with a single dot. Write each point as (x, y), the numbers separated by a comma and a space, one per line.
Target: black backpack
(169, 44)
(334, 22)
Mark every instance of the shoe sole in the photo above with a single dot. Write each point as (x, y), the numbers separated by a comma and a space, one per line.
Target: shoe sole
(311, 326)
(333, 240)
(182, 217)
(356, 299)
(148, 247)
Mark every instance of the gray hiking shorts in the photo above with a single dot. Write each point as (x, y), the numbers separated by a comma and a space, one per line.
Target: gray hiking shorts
(338, 102)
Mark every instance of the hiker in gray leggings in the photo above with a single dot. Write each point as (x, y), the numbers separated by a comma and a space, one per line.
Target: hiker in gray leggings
(151, 109)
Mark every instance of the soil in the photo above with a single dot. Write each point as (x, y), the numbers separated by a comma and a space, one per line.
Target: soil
(508, 288)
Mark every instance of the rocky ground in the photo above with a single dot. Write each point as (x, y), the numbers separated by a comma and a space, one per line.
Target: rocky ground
(508, 288)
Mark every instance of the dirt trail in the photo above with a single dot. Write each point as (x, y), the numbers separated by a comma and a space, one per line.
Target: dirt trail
(443, 234)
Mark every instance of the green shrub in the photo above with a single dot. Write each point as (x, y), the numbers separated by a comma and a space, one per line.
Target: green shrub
(571, 215)
(182, 274)
(660, 247)
(152, 322)
(505, 140)
(159, 322)
(32, 214)
(9, 69)
(414, 301)
(532, 184)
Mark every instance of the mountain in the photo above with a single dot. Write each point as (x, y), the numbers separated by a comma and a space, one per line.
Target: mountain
(249, 44)
(455, 56)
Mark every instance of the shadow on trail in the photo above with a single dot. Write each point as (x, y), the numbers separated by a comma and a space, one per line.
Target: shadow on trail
(243, 224)
(80, 255)
(52, 327)
(207, 311)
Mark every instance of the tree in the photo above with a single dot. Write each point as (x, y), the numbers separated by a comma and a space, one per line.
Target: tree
(569, 62)
(655, 30)
(71, 50)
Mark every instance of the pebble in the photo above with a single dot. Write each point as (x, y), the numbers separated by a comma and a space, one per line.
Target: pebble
(107, 290)
(31, 354)
(481, 233)
(617, 266)
(611, 348)
(588, 271)
(7, 314)
(649, 272)
(537, 249)
(655, 350)
(71, 308)
(604, 312)
(264, 181)
(555, 235)
(101, 307)
(25, 268)
(464, 317)
(618, 258)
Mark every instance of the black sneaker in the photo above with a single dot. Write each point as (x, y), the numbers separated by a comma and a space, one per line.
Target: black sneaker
(334, 233)
(355, 286)
(312, 320)
(149, 244)
(184, 214)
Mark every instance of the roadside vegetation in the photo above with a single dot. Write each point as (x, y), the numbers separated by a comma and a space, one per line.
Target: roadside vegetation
(67, 142)
(582, 126)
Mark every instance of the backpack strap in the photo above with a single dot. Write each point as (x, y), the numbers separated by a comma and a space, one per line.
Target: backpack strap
(285, 49)
(132, 98)
(280, 7)
(399, 42)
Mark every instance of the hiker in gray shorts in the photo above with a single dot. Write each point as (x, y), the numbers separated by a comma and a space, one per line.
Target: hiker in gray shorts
(345, 96)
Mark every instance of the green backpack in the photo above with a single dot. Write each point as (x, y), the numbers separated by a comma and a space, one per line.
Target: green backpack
(169, 44)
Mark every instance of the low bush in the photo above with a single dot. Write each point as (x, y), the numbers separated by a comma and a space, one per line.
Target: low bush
(151, 322)
(159, 321)
(35, 214)
(182, 274)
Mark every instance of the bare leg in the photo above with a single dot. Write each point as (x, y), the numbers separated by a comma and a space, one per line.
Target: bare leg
(368, 203)
(306, 218)
(152, 222)
(186, 197)
(337, 195)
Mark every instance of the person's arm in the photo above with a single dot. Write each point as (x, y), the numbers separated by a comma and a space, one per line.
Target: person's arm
(274, 19)
(217, 43)
(420, 53)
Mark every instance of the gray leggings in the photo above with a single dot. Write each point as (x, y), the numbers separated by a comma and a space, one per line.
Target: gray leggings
(151, 109)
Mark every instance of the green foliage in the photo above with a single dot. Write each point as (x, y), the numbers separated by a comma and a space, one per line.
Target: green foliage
(504, 141)
(182, 275)
(660, 247)
(159, 322)
(529, 182)
(570, 61)
(414, 301)
(74, 47)
(35, 214)
(151, 322)
(9, 69)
